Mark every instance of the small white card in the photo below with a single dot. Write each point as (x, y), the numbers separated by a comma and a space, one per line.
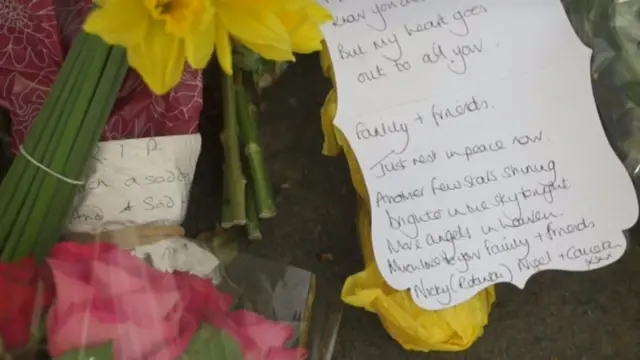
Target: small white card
(137, 181)
(179, 254)
(481, 146)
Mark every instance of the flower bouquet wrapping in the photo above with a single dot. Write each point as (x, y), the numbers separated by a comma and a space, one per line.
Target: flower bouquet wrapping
(289, 295)
(612, 30)
(414, 328)
(98, 300)
(118, 287)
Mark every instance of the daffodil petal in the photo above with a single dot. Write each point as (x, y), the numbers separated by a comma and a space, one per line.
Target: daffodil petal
(307, 38)
(223, 49)
(318, 13)
(304, 32)
(253, 25)
(199, 47)
(261, 5)
(159, 60)
(119, 22)
(271, 52)
(292, 19)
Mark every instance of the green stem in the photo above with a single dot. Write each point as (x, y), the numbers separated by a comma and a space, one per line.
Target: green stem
(40, 201)
(227, 212)
(233, 164)
(249, 133)
(22, 176)
(86, 140)
(253, 222)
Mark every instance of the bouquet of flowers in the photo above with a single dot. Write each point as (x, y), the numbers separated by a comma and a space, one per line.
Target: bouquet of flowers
(163, 41)
(100, 301)
(94, 299)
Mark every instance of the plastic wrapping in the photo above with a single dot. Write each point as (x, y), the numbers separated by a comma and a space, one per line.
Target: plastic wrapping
(145, 292)
(126, 284)
(612, 30)
(286, 294)
(451, 329)
(34, 38)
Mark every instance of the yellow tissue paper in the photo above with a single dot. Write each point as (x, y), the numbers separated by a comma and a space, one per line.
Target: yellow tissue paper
(452, 329)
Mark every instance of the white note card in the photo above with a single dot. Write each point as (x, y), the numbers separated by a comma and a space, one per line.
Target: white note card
(480, 142)
(179, 254)
(136, 181)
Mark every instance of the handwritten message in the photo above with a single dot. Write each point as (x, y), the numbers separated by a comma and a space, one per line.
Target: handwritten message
(137, 181)
(481, 146)
(391, 49)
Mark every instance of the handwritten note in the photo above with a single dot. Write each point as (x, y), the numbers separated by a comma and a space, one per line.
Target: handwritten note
(478, 135)
(137, 181)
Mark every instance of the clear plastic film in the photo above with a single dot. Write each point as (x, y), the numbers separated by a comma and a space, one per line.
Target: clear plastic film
(146, 292)
(612, 30)
(125, 282)
(289, 295)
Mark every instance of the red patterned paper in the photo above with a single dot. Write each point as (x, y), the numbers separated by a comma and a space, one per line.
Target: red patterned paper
(34, 37)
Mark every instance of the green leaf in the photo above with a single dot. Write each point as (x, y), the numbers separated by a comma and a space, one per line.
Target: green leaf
(210, 343)
(225, 347)
(103, 352)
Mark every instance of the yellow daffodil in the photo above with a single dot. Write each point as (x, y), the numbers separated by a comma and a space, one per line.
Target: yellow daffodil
(302, 19)
(160, 35)
(274, 29)
(254, 24)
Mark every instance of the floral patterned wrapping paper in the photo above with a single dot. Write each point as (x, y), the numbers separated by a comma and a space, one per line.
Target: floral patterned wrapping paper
(34, 38)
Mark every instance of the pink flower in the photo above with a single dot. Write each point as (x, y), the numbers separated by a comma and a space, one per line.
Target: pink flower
(260, 338)
(20, 299)
(106, 294)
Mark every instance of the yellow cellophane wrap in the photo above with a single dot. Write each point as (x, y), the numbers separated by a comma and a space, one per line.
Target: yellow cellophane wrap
(452, 329)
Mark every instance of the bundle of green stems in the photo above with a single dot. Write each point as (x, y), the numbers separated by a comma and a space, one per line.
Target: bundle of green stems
(248, 196)
(38, 192)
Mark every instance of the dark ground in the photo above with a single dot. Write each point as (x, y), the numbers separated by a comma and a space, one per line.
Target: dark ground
(563, 316)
